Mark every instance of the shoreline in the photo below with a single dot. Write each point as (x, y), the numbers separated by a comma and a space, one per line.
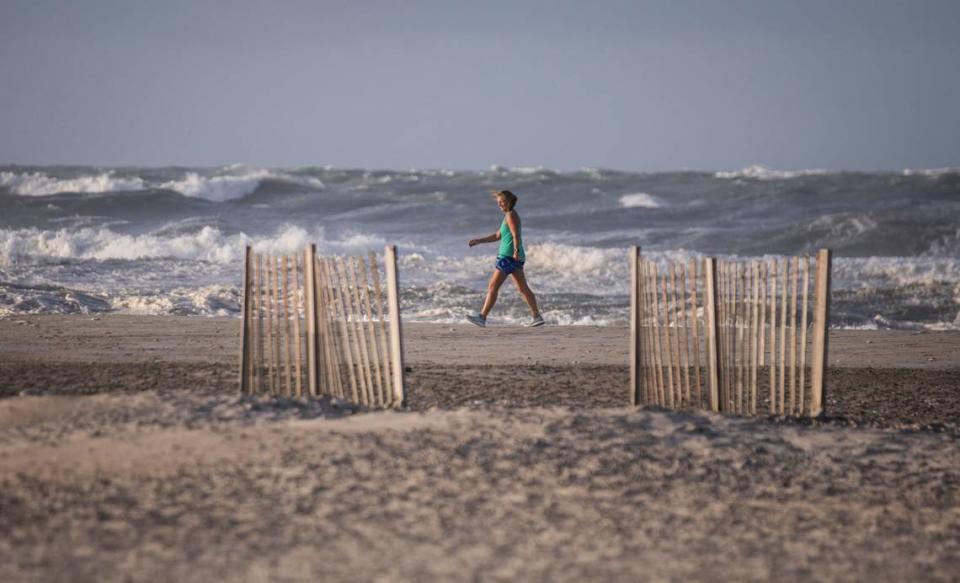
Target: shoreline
(875, 378)
(188, 339)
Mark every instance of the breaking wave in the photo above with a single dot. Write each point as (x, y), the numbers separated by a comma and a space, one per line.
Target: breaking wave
(208, 243)
(40, 184)
(229, 183)
(87, 239)
(759, 172)
(640, 200)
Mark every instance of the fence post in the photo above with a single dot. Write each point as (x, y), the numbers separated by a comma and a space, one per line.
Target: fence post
(634, 258)
(310, 302)
(821, 316)
(713, 373)
(396, 342)
(245, 327)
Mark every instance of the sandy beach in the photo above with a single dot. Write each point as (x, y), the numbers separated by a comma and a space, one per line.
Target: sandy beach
(127, 454)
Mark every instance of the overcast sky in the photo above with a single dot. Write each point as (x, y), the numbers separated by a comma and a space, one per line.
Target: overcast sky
(658, 85)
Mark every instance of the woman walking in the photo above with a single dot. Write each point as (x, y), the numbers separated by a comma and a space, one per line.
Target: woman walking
(510, 258)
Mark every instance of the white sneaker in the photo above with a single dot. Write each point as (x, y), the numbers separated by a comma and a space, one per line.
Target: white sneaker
(538, 321)
(477, 320)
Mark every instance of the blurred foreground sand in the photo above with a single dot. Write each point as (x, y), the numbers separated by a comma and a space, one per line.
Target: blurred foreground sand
(129, 456)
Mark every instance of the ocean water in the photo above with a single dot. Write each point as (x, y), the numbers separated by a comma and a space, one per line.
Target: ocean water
(170, 240)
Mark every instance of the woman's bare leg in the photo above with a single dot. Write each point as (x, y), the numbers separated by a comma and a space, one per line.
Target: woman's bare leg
(493, 288)
(526, 292)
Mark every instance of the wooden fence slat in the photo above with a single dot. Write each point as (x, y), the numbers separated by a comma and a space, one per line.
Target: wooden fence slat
(794, 268)
(375, 356)
(356, 329)
(739, 295)
(346, 345)
(722, 329)
(641, 395)
(669, 340)
(257, 324)
(396, 338)
(298, 348)
(673, 324)
(664, 389)
(763, 312)
(710, 303)
(310, 316)
(371, 368)
(655, 332)
(649, 350)
(352, 325)
(755, 335)
(332, 344)
(246, 362)
(384, 343)
(685, 322)
(360, 334)
(783, 339)
(271, 326)
(730, 330)
(694, 281)
(285, 329)
(772, 365)
(633, 260)
(821, 318)
(742, 339)
(275, 293)
(805, 264)
(268, 324)
(264, 385)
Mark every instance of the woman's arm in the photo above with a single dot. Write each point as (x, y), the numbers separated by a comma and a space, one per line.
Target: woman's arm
(513, 222)
(490, 239)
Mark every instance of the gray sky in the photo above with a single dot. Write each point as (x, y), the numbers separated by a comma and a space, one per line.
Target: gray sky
(658, 85)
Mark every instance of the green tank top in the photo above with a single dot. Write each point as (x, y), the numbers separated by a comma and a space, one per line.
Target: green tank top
(506, 242)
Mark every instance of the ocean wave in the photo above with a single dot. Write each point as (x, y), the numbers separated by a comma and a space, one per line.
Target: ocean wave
(210, 300)
(946, 246)
(48, 299)
(41, 184)
(207, 243)
(521, 170)
(640, 200)
(229, 183)
(759, 172)
(216, 188)
(932, 172)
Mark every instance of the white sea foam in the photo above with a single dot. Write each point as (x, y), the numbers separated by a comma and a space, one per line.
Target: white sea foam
(239, 183)
(946, 246)
(32, 245)
(40, 184)
(216, 188)
(888, 272)
(520, 170)
(210, 300)
(932, 172)
(759, 172)
(230, 183)
(640, 200)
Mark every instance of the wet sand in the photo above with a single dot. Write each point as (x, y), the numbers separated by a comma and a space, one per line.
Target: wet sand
(126, 454)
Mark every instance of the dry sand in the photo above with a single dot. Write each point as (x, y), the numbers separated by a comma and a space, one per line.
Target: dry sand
(125, 454)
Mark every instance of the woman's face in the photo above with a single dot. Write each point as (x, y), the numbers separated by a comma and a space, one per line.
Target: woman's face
(502, 203)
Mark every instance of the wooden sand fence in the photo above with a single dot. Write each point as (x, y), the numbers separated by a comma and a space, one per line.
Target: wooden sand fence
(316, 325)
(741, 337)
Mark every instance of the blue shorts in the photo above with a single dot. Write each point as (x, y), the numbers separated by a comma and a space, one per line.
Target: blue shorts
(508, 264)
